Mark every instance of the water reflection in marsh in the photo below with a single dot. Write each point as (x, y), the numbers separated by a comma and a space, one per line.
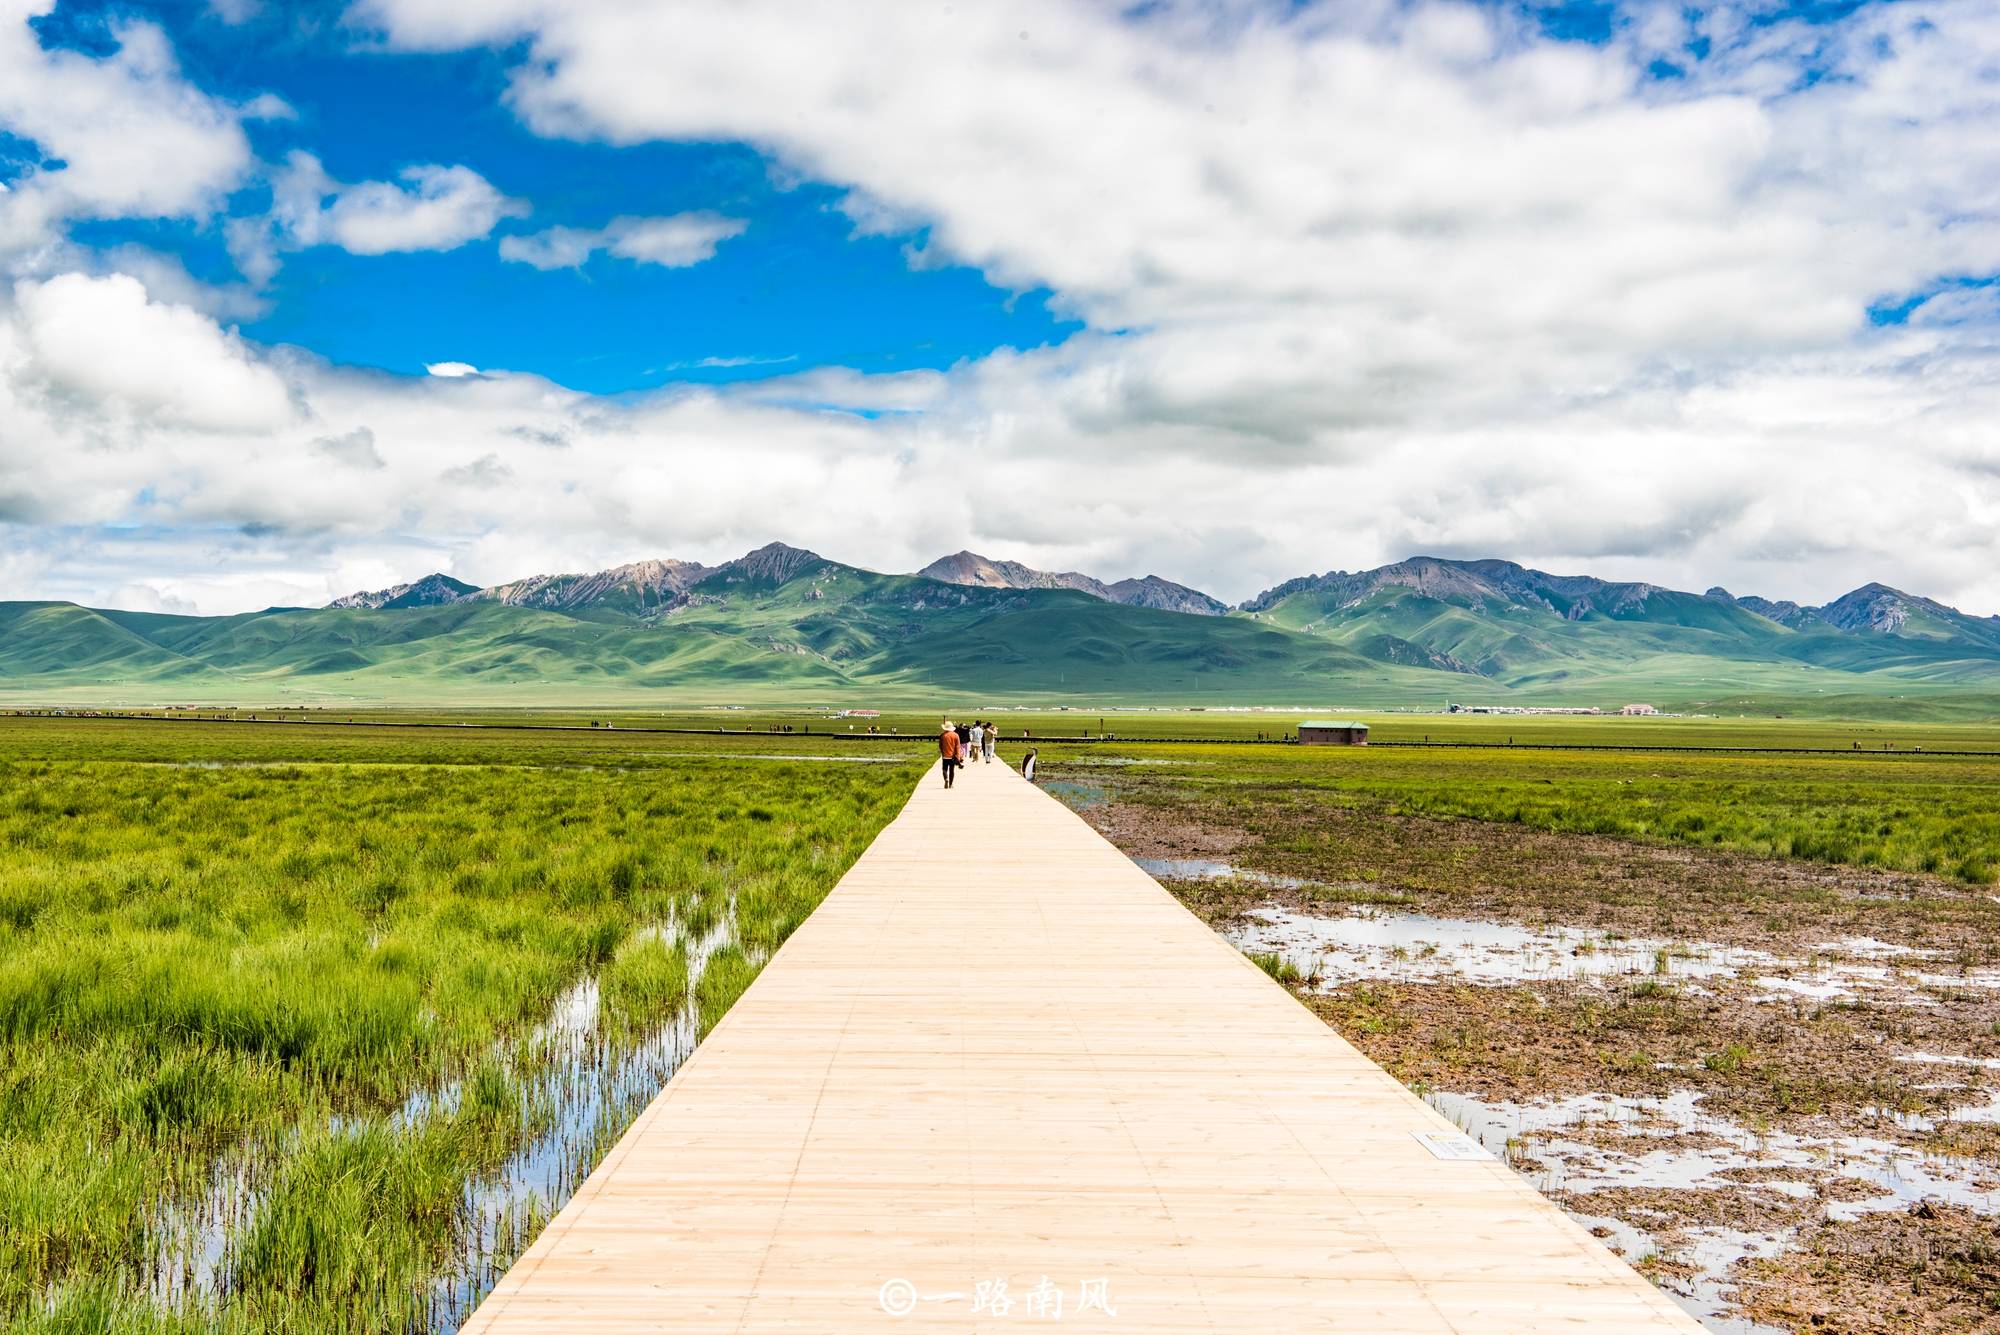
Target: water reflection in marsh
(580, 1084)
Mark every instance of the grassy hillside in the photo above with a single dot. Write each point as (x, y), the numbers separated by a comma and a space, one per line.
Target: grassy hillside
(821, 631)
(60, 642)
(1574, 641)
(787, 625)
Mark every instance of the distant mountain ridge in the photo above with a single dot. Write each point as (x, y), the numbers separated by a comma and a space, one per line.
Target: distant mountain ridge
(640, 588)
(1492, 581)
(778, 619)
(635, 587)
(1887, 611)
(784, 621)
(1872, 607)
(1878, 609)
(1507, 622)
(1164, 595)
(661, 585)
(1375, 612)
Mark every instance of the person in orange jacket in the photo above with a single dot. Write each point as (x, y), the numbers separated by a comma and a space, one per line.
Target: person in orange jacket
(949, 748)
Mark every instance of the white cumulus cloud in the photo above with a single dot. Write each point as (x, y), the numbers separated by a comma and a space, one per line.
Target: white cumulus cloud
(134, 139)
(1358, 281)
(1421, 257)
(427, 207)
(100, 344)
(674, 242)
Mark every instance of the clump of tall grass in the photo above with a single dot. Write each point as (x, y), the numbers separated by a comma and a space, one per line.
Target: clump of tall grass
(1280, 968)
(645, 980)
(728, 972)
(358, 1219)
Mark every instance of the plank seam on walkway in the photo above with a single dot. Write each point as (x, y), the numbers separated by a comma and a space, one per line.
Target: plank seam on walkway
(798, 1160)
(1159, 1197)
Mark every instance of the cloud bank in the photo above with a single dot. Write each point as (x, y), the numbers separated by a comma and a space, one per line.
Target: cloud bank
(1359, 281)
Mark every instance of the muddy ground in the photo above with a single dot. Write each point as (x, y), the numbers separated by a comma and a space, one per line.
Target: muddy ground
(1787, 1111)
(1928, 1268)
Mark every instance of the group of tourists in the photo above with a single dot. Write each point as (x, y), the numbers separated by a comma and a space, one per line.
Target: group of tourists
(963, 743)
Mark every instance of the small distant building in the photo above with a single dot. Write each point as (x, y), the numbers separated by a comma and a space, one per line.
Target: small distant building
(1333, 733)
(1631, 711)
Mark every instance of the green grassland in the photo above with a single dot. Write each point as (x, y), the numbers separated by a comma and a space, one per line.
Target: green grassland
(1901, 810)
(327, 957)
(1868, 794)
(263, 944)
(615, 731)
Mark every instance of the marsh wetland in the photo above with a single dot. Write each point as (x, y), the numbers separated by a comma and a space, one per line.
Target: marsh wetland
(310, 1027)
(308, 1033)
(1739, 1016)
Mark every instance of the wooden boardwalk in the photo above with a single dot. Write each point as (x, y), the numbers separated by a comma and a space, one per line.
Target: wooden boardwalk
(1001, 1052)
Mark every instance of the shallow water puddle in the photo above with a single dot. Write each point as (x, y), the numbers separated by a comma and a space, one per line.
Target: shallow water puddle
(596, 1091)
(1127, 762)
(189, 1256)
(1821, 979)
(1866, 947)
(1711, 1251)
(1415, 947)
(1590, 1143)
(1210, 869)
(1935, 1059)
(594, 1099)
(1371, 943)
(1076, 794)
(1657, 1156)
(1694, 1150)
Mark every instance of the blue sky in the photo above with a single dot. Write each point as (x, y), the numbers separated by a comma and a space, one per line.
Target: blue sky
(1116, 288)
(799, 287)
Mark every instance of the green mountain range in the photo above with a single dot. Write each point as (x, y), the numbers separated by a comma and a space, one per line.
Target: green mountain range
(785, 624)
(1506, 623)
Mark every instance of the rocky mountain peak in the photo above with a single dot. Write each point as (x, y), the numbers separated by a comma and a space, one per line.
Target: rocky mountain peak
(433, 590)
(772, 563)
(973, 570)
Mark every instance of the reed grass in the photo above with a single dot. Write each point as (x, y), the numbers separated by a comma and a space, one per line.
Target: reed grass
(272, 965)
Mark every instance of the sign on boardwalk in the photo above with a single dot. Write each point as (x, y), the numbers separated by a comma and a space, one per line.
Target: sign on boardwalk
(1451, 1145)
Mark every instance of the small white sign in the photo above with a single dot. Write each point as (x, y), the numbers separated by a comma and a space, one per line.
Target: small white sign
(1451, 1145)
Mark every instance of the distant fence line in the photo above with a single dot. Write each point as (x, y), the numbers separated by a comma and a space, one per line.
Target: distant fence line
(1046, 739)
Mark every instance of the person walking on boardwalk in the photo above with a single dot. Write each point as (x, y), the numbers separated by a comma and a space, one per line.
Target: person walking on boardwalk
(948, 748)
(992, 738)
(964, 742)
(974, 741)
